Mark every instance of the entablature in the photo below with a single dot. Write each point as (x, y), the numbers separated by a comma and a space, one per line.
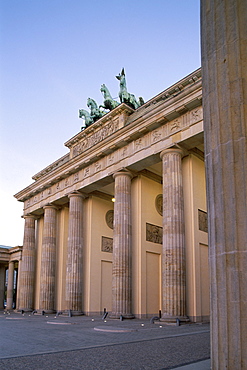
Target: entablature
(134, 133)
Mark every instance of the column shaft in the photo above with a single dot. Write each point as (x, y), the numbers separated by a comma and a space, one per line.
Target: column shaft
(224, 67)
(173, 254)
(27, 265)
(10, 287)
(74, 260)
(2, 284)
(48, 260)
(122, 259)
(18, 292)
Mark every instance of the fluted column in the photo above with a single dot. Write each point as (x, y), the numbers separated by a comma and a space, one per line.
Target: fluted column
(2, 284)
(10, 287)
(122, 259)
(27, 265)
(75, 248)
(48, 260)
(224, 67)
(173, 254)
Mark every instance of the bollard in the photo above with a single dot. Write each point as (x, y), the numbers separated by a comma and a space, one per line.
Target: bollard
(153, 319)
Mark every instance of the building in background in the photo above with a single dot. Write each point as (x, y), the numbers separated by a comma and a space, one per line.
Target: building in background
(9, 264)
(120, 222)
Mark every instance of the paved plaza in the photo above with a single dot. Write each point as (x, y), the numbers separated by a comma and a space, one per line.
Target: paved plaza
(49, 342)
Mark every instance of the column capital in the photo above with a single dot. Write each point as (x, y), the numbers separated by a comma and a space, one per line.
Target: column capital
(77, 194)
(122, 172)
(171, 150)
(51, 206)
(29, 215)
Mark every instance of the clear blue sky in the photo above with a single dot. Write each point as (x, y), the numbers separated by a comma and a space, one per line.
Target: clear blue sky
(56, 53)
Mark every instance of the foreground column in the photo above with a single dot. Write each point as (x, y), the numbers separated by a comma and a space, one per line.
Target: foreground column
(74, 260)
(173, 254)
(10, 287)
(121, 266)
(27, 265)
(48, 260)
(224, 67)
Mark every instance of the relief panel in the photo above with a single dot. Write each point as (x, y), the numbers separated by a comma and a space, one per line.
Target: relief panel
(154, 233)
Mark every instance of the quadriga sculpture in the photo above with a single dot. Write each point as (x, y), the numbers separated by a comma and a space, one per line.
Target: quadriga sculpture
(125, 96)
(88, 119)
(96, 113)
(109, 103)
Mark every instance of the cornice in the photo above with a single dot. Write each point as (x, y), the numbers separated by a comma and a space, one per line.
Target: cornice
(175, 89)
(59, 162)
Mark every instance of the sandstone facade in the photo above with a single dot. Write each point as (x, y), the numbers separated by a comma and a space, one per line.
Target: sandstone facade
(150, 254)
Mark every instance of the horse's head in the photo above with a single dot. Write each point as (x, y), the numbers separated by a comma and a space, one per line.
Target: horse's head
(121, 75)
(91, 103)
(80, 113)
(102, 89)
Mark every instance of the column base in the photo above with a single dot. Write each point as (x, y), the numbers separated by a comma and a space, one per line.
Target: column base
(119, 315)
(8, 310)
(43, 312)
(174, 319)
(71, 313)
(25, 310)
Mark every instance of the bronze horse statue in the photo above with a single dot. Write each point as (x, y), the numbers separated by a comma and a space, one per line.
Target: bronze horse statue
(125, 96)
(96, 113)
(88, 119)
(109, 103)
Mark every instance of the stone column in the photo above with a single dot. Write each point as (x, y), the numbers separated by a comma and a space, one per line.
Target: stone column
(122, 259)
(18, 290)
(10, 286)
(27, 265)
(74, 260)
(173, 254)
(224, 67)
(2, 284)
(48, 260)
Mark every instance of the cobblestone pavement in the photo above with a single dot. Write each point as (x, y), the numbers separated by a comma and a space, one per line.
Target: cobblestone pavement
(49, 342)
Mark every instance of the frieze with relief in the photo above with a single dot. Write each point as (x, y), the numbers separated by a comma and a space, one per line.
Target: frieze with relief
(95, 138)
(106, 244)
(76, 177)
(203, 220)
(156, 135)
(196, 115)
(139, 144)
(154, 233)
(175, 124)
